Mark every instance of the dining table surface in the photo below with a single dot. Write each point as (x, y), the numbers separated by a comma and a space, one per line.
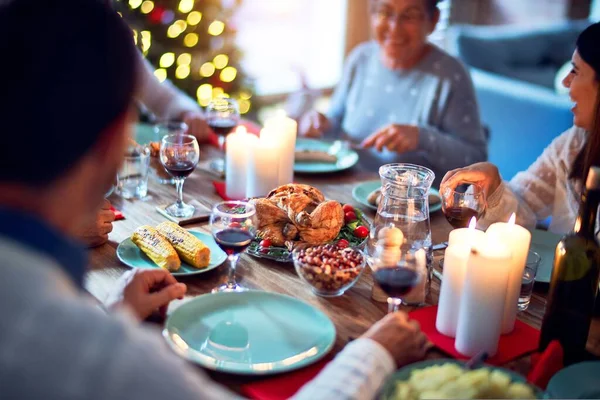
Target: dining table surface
(352, 313)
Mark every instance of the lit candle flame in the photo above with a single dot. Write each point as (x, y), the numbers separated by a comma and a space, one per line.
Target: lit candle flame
(473, 223)
(241, 130)
(512, 219)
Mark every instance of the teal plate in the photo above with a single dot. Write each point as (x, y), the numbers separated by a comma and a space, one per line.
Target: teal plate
(361, 193)
(578, 381)
(544, 243)
(249, 333)
(403, 374)
(132, 256)
(346, 158)
(145, 133)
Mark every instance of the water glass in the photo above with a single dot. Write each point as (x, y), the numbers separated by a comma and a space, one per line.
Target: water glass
(531, 267)
(132, 179)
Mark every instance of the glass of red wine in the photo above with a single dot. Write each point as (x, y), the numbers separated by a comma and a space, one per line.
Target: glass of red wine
(233, 226)
(179, 155)
(397, 280)
(463, 203)
(222, 116)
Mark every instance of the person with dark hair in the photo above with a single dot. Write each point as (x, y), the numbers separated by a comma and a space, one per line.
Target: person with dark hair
(552, 185)
(401, 98)
(54, 342)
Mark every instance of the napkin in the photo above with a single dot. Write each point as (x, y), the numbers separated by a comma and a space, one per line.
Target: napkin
(118, 214)
(521, 341)
(283, 386)
(546, 364)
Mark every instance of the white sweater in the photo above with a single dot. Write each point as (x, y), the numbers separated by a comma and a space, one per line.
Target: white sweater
(544, 189)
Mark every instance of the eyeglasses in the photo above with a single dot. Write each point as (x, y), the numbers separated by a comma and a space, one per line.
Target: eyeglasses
(409, 17)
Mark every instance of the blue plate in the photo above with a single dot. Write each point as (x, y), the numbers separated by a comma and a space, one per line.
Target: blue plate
(250, 333)
(346, 158)
(145, 133)
(403, 374)
(544, 243)
(361, 193)
(133, 257)
(578, 381)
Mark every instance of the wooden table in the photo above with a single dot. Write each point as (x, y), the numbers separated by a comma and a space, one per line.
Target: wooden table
(351, 313)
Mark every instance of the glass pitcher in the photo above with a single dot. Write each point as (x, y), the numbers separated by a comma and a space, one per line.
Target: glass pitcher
(404, 204)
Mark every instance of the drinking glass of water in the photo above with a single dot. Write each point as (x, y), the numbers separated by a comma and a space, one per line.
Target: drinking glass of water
(529, 274)
(132, 179)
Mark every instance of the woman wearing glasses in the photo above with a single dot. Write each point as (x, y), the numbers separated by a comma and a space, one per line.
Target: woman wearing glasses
(402, 98)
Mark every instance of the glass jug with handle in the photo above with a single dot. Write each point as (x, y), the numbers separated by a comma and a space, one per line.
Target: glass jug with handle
(404, 204)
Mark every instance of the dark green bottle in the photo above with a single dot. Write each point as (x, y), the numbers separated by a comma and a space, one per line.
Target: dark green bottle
(574, 283)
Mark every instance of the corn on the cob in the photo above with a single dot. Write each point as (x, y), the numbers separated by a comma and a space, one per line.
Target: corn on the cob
(189, 247)
(156, 247)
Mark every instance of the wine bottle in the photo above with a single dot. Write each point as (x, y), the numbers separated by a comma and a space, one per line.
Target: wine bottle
(574, 282)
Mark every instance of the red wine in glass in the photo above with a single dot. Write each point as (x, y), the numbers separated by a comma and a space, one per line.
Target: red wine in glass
(222, 126)
(459, 217)
(179, 168)
(233, 240)
(397, 281)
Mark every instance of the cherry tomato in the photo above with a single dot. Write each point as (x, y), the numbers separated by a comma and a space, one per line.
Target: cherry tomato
(361, 232)
(264, 245)
(343, 243)
(348, 208)
(235, 225)
(349, 217)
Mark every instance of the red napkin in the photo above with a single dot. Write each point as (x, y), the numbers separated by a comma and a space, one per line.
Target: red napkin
(546, 364)
(221, 190)
(283, 386)
(522, 340)
(118, 214)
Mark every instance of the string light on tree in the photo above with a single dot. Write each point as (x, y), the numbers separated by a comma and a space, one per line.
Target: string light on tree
(135, 3)
(147, 7)
(184, 59)
(166, 60)
(185, 6)
(221, 61)
(207, 69)
(161, 74)
(190, 40)
(216, 28)
(204, 94)
(228, 74)
(182, 72)
(194, 18)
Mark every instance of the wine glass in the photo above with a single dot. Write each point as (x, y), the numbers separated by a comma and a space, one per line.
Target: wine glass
(400, 278)
(463, 203)
(222, 116)
(233, 225)
(161, 129)
(179, 155)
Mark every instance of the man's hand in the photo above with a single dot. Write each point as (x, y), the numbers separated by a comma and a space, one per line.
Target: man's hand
(96, 232)
(401, 337)
(396, 138)
(197, 126)
(145, 291)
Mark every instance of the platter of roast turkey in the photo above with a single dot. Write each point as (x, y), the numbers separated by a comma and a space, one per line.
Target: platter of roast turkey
(297, 216)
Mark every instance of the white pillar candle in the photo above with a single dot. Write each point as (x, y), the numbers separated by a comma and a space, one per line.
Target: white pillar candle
(236, 162)
(484, 294)
(282, 131)
(455, 264)
(517, 239)
(465, 235)
(263, 169)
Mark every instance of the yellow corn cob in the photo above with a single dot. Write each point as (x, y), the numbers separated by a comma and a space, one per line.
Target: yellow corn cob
(156, 247)
(189, 247)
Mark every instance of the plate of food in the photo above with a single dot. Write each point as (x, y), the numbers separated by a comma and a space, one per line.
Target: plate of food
(449, 379)
(369, 194)
(294, 215)
(171, 247)
(319, 157)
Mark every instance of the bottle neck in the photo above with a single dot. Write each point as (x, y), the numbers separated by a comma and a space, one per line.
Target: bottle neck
(588, 210)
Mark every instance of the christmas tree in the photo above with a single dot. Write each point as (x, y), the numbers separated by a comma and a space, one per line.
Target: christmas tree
(191, 43)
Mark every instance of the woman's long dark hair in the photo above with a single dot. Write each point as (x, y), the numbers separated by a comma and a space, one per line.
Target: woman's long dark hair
(588, 47)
